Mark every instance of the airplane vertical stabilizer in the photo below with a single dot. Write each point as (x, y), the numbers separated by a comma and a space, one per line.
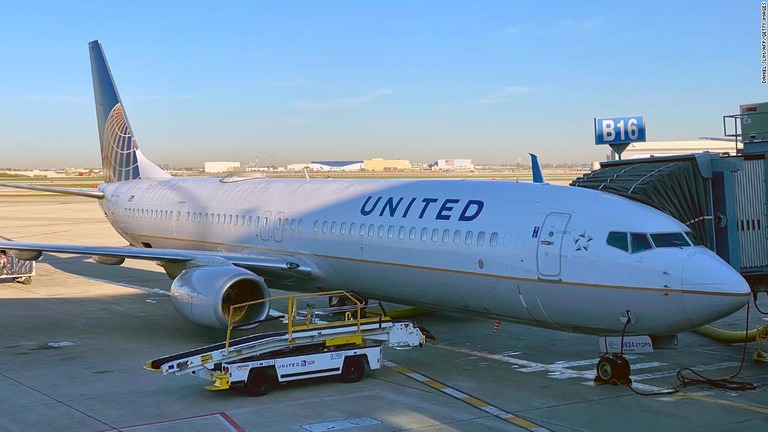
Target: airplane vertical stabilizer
(120, 155)
(538, 175)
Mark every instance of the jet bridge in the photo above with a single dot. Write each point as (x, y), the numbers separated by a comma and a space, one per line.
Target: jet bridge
(722, 198)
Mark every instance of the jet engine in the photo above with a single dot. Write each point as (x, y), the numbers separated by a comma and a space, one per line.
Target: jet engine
(203, 295)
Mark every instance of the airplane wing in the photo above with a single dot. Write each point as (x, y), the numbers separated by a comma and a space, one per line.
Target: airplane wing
(256, 261)
(89, 193)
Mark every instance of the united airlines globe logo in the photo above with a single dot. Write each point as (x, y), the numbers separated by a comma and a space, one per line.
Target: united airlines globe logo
(119, 153)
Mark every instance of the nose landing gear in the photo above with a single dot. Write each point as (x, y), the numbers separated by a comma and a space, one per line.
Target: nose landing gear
(613, 369)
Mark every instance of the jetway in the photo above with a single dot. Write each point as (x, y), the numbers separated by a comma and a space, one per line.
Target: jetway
(722, 198)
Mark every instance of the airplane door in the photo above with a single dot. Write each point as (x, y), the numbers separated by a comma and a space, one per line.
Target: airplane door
(279, 222)
(548, 250)
(265, 226)
(113, 204)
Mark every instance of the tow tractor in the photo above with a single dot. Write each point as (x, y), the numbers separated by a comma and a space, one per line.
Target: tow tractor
(334, 340)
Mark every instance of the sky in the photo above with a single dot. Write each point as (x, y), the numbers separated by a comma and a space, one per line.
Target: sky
(295, 81)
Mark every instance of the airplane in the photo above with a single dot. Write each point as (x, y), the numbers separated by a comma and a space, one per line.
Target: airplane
(558, 257)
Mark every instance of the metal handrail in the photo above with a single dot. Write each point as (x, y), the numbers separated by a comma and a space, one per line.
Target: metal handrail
(293, 310)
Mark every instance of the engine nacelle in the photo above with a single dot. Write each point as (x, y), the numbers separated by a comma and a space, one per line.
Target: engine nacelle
(203, 295)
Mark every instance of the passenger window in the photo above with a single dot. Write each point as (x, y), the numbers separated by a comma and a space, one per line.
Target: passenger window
(256, 220)
(390, 232)
(468, 238)
(619, 240)
(457, 236)
(435, 234)
(352, 228)
(293, 224)
(205, 218)
(640, 242)
(333, 227)
(325, 227)
(371, 230)
(481, 238)
(424, 234)
(237, 219)
(401, 233)
(218, 218)
(300, 225)
(186, 218)
(446, 235)
(316, 226)
(250, 220)
(229, 220)
(412, 233)
(362, 229)
(664, 240)
(381, 231)
(343, 228)
(494, 240)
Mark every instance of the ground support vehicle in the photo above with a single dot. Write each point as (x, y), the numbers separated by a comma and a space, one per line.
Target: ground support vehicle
(317, 342)
(20, 271)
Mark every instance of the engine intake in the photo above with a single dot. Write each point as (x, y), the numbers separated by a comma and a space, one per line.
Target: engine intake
(203, 295)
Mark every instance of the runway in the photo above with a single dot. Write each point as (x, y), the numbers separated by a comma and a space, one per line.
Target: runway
(74, 343)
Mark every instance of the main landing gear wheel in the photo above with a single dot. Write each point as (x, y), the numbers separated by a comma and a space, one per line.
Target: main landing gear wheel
(613, 370)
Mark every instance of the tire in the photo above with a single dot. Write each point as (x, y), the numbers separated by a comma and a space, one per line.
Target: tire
(26, 281)
(259, 382)
(605, 369)
(353, 369)
(613, 370)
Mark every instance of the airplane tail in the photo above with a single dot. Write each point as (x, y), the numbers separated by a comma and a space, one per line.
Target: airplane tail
(538, 175)
(120, 156)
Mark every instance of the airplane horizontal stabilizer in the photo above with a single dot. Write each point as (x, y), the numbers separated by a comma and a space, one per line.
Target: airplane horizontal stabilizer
(88, 193)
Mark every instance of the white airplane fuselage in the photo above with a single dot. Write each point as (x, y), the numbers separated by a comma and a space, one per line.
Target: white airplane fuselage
(529, 253)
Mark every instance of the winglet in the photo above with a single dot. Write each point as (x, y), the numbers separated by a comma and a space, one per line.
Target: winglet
(538, 176)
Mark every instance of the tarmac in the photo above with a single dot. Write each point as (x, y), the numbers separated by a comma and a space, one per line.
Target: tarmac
(73, 345)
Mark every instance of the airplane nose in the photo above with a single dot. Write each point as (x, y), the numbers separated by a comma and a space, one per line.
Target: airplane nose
(711, 288)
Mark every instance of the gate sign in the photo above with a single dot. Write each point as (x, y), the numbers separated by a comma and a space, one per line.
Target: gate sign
(619, 130)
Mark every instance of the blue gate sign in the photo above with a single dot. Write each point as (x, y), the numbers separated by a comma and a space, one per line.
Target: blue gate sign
(619, 130)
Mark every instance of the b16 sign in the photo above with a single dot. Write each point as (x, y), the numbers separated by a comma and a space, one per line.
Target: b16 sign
(619, 130)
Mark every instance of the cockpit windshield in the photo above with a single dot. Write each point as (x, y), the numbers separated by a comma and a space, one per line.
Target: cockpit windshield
(640, 242)
(668, 240)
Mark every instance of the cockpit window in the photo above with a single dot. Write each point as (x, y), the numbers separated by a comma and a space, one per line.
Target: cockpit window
(640, 242)
(668, 240)
(619, 240)
(692, 238)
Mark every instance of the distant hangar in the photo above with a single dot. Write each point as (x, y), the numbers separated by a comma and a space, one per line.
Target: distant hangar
(353, 165)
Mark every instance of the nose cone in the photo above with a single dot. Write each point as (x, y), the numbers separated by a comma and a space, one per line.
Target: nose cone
(711, 288)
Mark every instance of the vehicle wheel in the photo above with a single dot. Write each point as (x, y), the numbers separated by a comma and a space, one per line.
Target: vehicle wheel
(605, 368)
(259, 382)
(26, 281)
(353, 369)
(614, 370)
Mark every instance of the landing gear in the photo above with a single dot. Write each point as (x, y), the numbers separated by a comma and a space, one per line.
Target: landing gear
(613, 369)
